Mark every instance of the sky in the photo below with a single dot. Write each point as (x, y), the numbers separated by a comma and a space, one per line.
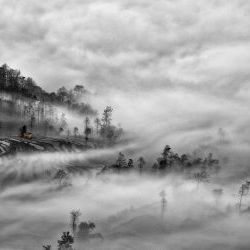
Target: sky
(174, 71)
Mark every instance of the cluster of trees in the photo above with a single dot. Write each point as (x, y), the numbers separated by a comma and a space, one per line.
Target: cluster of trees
(38, 116)
(37, 109)
(100, 127)
(11, 81)
(21, 111)
(122, 164)
(170, 162)
(82, 231)
(62, 178)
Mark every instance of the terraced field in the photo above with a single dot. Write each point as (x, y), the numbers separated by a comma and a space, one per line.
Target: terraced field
(12, 145)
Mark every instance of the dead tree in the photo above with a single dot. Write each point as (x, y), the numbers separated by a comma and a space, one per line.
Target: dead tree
(244, 190)
(163, 203)
(75, 214)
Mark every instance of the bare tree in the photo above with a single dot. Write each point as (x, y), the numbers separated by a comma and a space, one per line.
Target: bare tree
(163, 203)
(244, 190)
(87, 130)
(75, 214)
(98, 124)
(201, 176)
(141, 163)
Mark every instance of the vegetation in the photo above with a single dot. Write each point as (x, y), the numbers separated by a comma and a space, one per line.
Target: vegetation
(62, 177)
(37, 111)
(11, 81)
(66, 241)
(141, 163)
(82, 231)
(75, 214)
(109, 131)
(170, 162)
(244, 190)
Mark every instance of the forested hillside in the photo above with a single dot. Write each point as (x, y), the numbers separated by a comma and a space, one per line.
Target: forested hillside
(25, 105)
(12, 81)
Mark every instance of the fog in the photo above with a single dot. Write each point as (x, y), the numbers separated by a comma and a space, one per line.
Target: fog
(186, 120)
(175, 73)
(126, 208)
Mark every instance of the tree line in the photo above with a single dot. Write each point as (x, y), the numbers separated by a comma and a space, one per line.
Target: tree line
(12, 81)
(169, 162)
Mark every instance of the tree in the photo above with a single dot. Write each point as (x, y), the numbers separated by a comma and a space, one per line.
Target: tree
(61, 130)
(98, 124)
(75, 214)
(163, 203)
(121, 161)
(87, 133)
(63, 121)
(130, 163)
(46, 127)
(155, 167)
(78, 91)
(222, 135)
(165, 161)
(13, 80)
(68, 133)
(32, 120)
(76, 131)
(86, 122)
(244, 190)
(84, 229)
(201, 176)
(87, 130)
(211, 163)
(66, 241)
(61, 176)
(141, 163)
(184, 159)
(107, 116)
(63, 94)
(4, 76)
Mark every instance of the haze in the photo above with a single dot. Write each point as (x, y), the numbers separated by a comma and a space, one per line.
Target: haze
(175, 72)
(171, 69)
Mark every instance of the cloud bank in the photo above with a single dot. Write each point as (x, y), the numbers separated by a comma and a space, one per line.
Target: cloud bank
(129, 44)
(174, 71)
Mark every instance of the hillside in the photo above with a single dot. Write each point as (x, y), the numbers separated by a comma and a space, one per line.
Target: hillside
(12, 145)
(13, 82)
(58, 114)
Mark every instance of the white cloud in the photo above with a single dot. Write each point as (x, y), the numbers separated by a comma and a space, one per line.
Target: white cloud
(162, 53)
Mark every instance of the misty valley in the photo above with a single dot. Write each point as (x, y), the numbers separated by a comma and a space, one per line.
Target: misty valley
(72, 179)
